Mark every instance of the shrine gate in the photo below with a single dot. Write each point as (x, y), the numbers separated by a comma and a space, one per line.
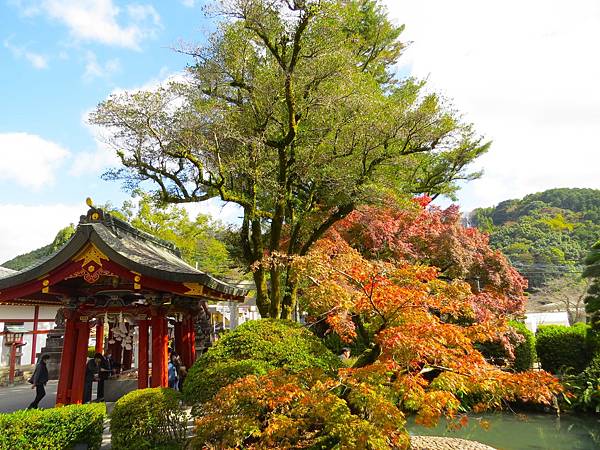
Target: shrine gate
(127, 285)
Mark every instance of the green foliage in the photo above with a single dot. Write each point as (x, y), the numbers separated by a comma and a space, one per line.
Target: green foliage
(254, 348)
(56, 428)
(562, 349)
(525, 350)
(22, 261)
(148, 419)
(91, 351)
(203, 382)
(544, 234)
(292, 111)
(585, 388)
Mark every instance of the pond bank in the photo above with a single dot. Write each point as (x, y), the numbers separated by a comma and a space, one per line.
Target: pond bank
(445, 443)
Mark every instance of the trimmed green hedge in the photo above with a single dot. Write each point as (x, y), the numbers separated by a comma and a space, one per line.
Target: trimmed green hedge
(525, 353)
(55, 428)
(561, 348)
(148, 419)
(256, 347)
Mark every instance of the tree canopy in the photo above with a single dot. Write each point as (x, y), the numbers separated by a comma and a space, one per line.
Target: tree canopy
(292, 111)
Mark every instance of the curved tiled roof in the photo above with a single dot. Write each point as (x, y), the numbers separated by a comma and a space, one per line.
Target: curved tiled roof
(136, 250)
(5, 272)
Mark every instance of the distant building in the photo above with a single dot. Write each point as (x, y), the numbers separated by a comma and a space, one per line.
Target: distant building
(534, 319)
(37, 320)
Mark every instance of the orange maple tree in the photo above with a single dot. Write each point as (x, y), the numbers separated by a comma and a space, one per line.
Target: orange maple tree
(423, 329)
(422, 360)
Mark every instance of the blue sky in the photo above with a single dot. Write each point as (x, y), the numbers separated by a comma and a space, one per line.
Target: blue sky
(523, 72)
(54, 70)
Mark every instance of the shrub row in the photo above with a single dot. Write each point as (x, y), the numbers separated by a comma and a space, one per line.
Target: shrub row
(148, 419)
(563, 349)
(56, 428)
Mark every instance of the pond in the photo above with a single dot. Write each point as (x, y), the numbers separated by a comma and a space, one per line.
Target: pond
(524, 431)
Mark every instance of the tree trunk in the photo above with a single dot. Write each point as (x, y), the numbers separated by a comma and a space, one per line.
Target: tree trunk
(369, 356)
(291, 296)
(275, 308)
(262, 296)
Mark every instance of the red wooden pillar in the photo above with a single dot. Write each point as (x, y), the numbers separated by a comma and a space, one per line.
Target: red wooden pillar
(127, 354)
(143, 354)
(65, 378)
(100, 337)
(81, 353)
(192, 339)
(160, 351)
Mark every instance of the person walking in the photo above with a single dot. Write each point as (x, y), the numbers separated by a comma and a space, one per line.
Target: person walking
(173, 371)
(39, 380)
(92, 369)
(106, 370)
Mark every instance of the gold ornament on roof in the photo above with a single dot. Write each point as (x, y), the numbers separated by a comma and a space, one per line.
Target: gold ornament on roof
(90, 253)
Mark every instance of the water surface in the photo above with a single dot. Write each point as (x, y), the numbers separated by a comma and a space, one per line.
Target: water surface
(524, 431)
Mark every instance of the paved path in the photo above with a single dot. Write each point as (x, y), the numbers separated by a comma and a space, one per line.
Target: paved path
(20, 396)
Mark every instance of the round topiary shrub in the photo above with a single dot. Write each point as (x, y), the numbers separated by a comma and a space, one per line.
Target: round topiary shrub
(254, 348)
(206, 382)
(561, 348)
(148, 419)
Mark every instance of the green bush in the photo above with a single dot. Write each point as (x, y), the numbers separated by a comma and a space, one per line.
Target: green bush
(585, 388)
(148, 419)
(91, 351)
(562, 349)
(256, 347)
(525, 350)
(55, 428)
(204, 384)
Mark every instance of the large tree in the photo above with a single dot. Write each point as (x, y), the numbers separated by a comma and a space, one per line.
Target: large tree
(292, 111)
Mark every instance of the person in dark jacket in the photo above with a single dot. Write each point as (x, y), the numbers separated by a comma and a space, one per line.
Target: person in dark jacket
(92, 370)
(106, 370)
(39, 380)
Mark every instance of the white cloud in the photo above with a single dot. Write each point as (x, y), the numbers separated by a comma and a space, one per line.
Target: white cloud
(99, 20)
(29, 160)
(188, 3)
(141, 13)
(95, 69)
(37, 60)
(25, 228)
(227, 213)
(525, 73)
(97, 160)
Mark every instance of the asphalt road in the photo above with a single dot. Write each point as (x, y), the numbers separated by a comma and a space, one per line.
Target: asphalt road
(20, 396)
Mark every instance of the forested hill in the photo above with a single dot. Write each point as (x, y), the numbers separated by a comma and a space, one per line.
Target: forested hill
(27, 259)
(544, 234)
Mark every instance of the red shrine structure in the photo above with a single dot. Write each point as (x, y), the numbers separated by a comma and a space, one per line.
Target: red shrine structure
(116, 278)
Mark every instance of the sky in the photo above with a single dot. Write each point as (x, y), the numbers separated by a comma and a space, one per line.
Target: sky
(525, 73)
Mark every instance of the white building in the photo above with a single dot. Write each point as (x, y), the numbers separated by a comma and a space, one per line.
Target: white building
(37, 320)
